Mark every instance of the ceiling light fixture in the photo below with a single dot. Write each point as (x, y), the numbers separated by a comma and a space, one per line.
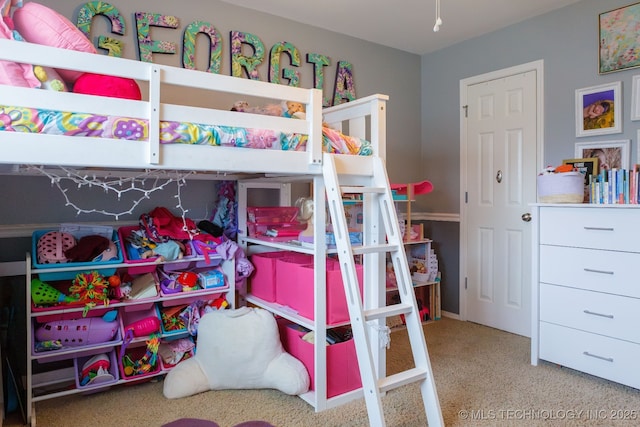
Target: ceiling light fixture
(436, 27)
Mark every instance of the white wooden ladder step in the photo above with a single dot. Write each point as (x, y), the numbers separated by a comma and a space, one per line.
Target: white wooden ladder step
(381, 237)
(402, 378)
(388, 311)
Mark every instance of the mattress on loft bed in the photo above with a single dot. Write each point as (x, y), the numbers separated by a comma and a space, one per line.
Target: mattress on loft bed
(30, 120)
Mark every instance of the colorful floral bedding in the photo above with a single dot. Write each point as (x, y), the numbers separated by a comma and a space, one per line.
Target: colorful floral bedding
(19, 119)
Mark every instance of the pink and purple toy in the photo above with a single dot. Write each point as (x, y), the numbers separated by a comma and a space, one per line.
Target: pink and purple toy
(78, 332)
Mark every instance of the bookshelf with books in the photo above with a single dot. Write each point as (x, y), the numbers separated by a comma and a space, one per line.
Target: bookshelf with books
(421, 257)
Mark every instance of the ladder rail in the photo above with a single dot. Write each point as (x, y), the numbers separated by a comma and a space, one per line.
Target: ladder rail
(378, 192)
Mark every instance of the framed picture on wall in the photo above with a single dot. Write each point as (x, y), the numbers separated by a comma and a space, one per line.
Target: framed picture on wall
(635, 97)
(617, 37)
(598, 109)
(610, 154)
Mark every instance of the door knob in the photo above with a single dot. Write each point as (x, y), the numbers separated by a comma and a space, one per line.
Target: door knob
(526, 217)
(499, 176)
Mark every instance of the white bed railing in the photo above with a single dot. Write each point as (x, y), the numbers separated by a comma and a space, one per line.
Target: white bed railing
(364, 117)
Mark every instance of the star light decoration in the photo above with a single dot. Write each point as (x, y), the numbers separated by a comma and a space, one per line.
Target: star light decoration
(136, 184)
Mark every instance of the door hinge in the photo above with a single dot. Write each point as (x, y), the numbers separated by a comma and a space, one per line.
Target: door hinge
(465, 283)
(466, 197)
(466, 110)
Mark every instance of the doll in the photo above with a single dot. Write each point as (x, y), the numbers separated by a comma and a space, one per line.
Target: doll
(305, 214)
(284, 109)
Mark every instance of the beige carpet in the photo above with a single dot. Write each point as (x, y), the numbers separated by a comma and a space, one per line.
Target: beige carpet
(480, 372)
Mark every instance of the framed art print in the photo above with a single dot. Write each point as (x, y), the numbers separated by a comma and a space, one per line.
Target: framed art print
(598, 109)
(610, 154)
(618, 41)
(635, 97)
(586, 167)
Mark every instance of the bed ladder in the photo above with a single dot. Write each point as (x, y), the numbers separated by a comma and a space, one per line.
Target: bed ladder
(376, 194)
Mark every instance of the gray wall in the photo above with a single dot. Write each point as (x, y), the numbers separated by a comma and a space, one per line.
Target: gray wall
(376, 70)
(567, 41)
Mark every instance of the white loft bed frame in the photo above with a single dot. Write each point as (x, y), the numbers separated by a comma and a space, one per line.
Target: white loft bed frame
(364, 118)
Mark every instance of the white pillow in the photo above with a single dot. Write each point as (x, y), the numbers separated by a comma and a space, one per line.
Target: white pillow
(237, 349)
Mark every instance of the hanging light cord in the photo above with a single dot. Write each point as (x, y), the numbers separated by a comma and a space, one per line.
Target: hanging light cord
(436, 27)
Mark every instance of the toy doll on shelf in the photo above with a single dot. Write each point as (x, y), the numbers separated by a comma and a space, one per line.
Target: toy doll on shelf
(167, 251)
(305, 214)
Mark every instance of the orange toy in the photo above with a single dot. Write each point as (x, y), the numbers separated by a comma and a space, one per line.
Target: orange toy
(563, 168)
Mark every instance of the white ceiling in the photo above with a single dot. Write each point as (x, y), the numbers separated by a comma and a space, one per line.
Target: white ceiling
(407, 24)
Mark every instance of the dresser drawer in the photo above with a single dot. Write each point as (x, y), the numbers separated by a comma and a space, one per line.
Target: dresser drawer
(602, 228)
(604, 314)
(603, 271)
(604, 357)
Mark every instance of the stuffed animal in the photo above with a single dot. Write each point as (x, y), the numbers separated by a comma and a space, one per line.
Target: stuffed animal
(237, 349)
(284, 109)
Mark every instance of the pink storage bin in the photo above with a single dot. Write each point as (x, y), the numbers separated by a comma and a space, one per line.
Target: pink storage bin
(143, 323)
(272, 214)
(123, 233)
(136, 268)
(167, 366)
(135, 352)
(99, 310)
(282, 230)
(262, 282)
(343, 373)
(98, 382)
(299, 292)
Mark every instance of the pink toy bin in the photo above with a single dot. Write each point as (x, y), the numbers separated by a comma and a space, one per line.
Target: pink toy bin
(166, 366)
(263, 282)
(287, 275)
(141, 322)
(131, 259)
(136, 351)
(299, 292)
(343, 373)
(272, 214)
(98, 382)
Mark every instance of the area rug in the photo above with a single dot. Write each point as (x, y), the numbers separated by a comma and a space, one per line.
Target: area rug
(194, 422)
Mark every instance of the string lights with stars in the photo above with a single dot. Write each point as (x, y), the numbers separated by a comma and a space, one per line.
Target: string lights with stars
(140, 186)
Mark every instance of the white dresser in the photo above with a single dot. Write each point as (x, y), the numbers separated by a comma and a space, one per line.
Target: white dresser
(586, 289)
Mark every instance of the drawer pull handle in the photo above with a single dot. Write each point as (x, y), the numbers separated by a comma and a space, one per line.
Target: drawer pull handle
(608, 316)
(606, 359)
(591, 270)
(599, 228)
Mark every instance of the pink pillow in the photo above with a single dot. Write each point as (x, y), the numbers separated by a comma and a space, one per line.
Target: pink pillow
(39, 24)
(13, 73)
(115, 87)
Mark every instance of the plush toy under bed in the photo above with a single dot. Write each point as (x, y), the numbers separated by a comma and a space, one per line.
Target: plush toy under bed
(237, 349)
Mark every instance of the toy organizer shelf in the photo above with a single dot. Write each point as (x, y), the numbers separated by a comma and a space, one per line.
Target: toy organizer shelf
(56, 373)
